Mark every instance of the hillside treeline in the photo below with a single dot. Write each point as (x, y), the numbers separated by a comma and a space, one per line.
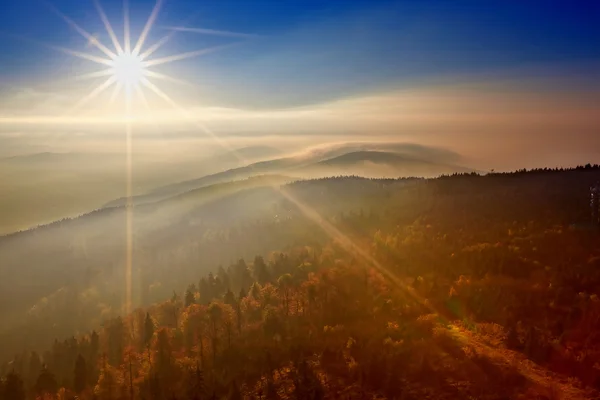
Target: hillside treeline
(461, 287)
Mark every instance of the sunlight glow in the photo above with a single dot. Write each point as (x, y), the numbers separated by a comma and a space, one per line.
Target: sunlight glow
(127, 72)
(128, 66)
(128, 69)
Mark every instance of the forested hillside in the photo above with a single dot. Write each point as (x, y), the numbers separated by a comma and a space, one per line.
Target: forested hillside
(465, 286)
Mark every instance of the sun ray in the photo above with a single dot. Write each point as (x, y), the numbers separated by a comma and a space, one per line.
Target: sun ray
(185, 113)
(333, 232)
(158, 92)
(79, 54)
(147, 27)
(142, 97)
(163, 40)
(213, 32)
(108, 26)
(129, 211)
(156, 46)
(97, 74)
(183, 56)
(146, 104)
(82, 55)
(127, 37)
(115, 93)
(164, 77)
(128, 70)
(93, 94)
(84, 33)
(187, 116)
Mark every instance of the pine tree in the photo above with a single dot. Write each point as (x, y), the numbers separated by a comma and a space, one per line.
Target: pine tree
(255, 291)
(94, 344)
(80, 375)
(46, 383)
(189, 296)
(35, 367)
(13, 387)
(204, 290)
(261, 272)
(116, 333)
(148, 330)
(238, 310)
(229, 298)
(215, 313)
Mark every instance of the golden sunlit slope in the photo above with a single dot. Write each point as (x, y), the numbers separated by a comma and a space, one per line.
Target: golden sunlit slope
(215, 225)
(457, 287)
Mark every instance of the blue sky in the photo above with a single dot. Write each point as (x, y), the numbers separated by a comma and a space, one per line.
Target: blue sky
(313, 51)
(506, 83)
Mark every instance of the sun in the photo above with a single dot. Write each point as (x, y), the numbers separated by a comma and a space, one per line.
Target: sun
(128, 69)
(128, 66)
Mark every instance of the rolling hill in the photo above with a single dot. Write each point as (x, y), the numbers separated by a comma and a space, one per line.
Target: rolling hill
(39, 188)
(374, 164)
(360, 159)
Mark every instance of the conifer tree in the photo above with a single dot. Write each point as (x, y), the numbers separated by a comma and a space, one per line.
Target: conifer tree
(80, 375)
(13, 388)
(46, 383)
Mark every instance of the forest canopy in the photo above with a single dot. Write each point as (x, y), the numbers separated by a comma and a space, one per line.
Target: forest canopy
(465, 286)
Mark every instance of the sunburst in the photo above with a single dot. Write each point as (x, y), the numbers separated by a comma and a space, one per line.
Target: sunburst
(128, 66)
(128, 70)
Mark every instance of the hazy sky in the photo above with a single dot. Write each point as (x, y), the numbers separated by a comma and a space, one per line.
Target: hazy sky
(506, 83)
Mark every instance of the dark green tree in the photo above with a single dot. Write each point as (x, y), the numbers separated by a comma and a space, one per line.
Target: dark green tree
(215, 313)
(212, 287)
(223, 277)
(204, 290)
(272, 323)
(35, 367)
(229, 298)
(148, 330)
(261, 272)
(13, 388)
(116, 333)
(94, 345)
(80, 375)
(189, 295)
(46, 383)
(238, 310)
(254, 291)
(242, 276)
(285, 284)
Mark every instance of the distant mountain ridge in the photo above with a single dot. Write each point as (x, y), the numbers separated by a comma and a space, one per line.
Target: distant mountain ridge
(362, 159)
(48, 158)
(381, 164)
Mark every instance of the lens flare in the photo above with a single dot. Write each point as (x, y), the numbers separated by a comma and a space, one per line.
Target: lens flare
(128, 63)
(127, 72)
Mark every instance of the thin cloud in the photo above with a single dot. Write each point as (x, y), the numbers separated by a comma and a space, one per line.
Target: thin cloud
(213, 32)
